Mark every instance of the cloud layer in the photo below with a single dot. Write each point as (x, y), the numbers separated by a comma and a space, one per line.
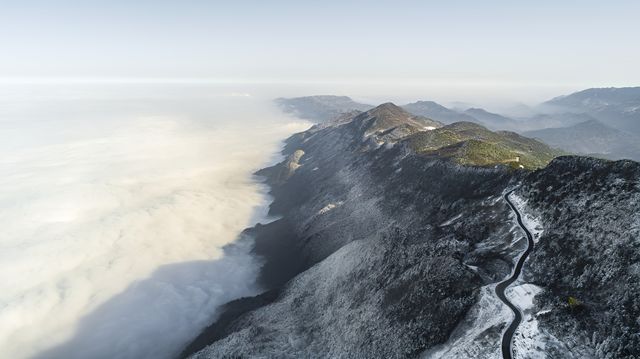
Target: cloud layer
(115, 209)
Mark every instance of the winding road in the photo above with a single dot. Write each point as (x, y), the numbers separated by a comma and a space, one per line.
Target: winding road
(507, 336)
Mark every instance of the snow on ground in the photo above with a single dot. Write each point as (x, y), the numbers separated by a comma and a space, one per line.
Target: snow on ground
(450, 221)
(531, 341)
(429, 128)
(479, 334)
(329, 207)
(528, 342)
(533, 224)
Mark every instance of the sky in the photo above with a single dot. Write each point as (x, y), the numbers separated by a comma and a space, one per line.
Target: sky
(470, 43)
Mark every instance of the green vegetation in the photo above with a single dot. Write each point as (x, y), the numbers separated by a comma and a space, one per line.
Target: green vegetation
(574, 303)
(472, 144)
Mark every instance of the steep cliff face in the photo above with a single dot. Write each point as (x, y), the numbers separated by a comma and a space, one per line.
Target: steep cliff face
(385, 250)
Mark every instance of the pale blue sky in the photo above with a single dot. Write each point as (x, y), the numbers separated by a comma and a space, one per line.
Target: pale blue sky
(581, 43)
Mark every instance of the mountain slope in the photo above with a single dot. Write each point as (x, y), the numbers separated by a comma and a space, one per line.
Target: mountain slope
(437, 112)
(616, 107)
(390, 122)
(589, 251)
(370, 273)
(471, 144)
(553, 120)
(391, 250)
(591, 137)
(445, 115)
(493, 120)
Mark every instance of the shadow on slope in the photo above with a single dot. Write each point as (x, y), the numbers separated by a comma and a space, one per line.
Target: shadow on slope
(157, 316)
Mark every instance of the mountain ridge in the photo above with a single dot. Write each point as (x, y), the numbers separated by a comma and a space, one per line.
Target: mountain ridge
(591, 137)
(436, 111)
(381, 251)
(616, 107)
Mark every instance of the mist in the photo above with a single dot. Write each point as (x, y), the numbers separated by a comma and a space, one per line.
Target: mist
(116, 204)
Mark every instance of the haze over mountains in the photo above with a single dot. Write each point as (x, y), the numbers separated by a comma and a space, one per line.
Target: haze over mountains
(436, 111)
(591, 137)
(600, 122)
(190, 179)
(615, 107)
(320, 108)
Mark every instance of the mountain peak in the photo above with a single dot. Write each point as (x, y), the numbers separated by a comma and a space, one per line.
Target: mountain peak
(476, 110)
(428, 103)
(387, 117)
(388, 111)
(388, 106)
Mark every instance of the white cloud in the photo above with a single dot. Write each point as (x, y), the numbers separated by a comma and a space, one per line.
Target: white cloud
(113, 224)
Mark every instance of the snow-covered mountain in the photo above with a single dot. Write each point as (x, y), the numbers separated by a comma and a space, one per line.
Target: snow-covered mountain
(391, 246)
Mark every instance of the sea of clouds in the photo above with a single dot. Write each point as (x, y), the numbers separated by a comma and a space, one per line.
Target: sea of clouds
(115, 205)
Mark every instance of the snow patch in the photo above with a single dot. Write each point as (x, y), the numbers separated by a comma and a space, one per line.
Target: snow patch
(479, 334)
(530, 341)
(429, 128)
(522, 295)
(473, 268)
(329, 207)
(543, 312)
(450, 221)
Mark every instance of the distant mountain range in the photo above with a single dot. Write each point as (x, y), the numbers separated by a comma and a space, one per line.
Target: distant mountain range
(438, 112)
(494, 120)
(615, 107)
(565, 122)
(462, 142)
(591, 138)
(320, 108)
(551, 120)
